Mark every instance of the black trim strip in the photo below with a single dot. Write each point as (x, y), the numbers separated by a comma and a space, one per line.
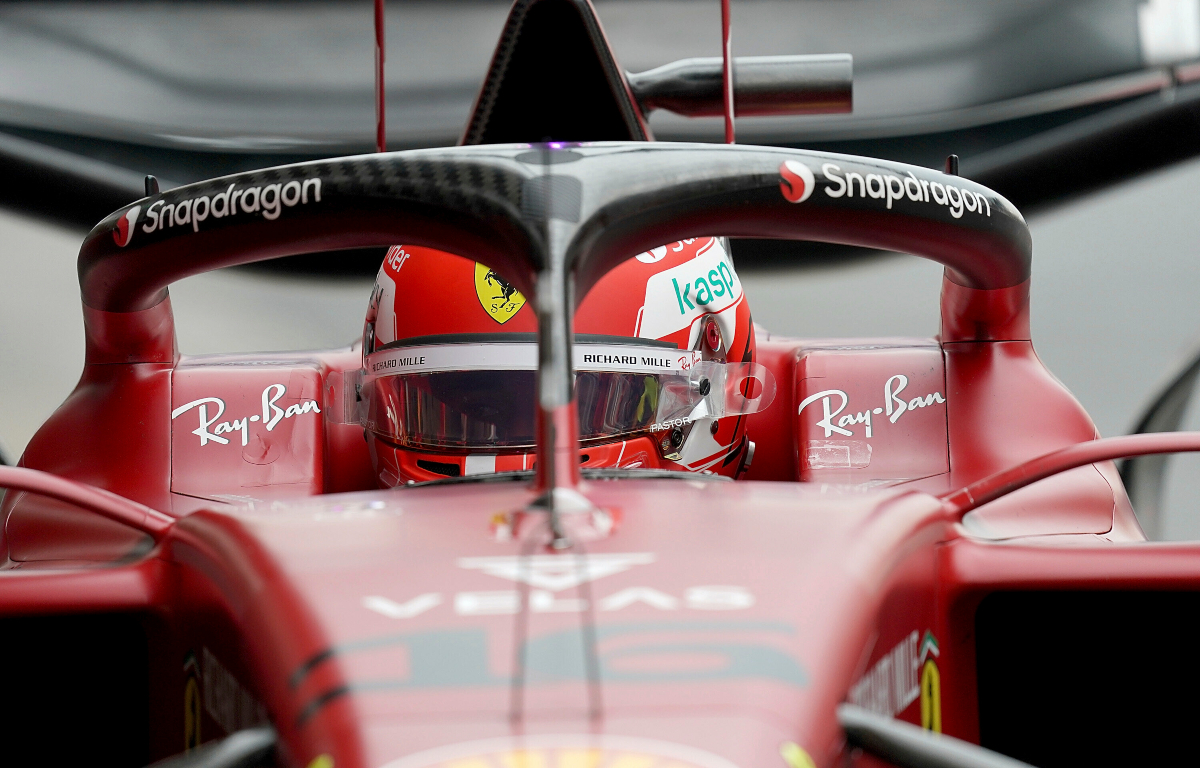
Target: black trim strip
(314, 706)
(909, 746)
(313, 662)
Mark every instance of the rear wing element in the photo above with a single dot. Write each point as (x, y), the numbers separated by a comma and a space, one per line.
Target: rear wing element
(553, 77)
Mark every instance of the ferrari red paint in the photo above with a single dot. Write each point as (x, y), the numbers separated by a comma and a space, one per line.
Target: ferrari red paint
(727, 618)
(927, 529)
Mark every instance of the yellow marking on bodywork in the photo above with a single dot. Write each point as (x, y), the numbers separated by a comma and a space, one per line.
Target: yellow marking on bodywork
(931, 697)
(579, 758)
(795, 756)
(523, 758)
(632, 760)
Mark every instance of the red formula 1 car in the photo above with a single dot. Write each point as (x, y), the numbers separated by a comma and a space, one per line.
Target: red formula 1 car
(197, 557)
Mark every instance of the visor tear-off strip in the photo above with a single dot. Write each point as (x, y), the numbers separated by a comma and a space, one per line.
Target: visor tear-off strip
(523, 357)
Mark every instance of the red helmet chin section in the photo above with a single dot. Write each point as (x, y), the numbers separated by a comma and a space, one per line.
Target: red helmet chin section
(459, 335)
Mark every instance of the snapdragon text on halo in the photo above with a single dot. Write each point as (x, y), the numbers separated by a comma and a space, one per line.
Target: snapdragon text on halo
(268, 200)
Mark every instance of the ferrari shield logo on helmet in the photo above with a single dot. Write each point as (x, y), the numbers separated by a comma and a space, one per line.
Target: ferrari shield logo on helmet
(498, 298)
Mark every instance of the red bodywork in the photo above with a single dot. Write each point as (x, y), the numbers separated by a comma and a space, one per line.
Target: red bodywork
(729, 617)
(210, 510)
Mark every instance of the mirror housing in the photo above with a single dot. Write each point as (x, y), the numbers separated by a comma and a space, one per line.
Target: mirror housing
(1145, 476)
(816, 84)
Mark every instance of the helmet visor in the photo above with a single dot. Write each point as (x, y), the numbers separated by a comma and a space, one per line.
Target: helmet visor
(483, 396)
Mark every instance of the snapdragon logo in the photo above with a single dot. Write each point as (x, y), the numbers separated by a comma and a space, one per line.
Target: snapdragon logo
(797, 184)
(890, 187)
(798, 181)
(125, 226)
(268, 201)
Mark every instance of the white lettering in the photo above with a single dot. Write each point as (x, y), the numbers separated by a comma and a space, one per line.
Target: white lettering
(396, 256)
(826, 422)
(291, 193)
(830, 171)
(912, 188)
(247, 206)
(152, 214)
(663, 426)
(893, 682)
(890, 398)
(394, 610)
(863, 418)
(223, 199)
(269, 201)
(242, 424)
(197, 216)
(492, 603)
(852, 177)
(894, 194)
(918, 402)
(954, 195)
(486, 603)
(893, 405)
(543, 601)
(891, 187)
(315, 184)
(627, 597)
(718, 598)
(205, 422)
(271, 416)
(875, 185)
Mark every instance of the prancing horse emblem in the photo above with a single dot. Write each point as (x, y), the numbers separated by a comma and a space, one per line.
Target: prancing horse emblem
(498, 298)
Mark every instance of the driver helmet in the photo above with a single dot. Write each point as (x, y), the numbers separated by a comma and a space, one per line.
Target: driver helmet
(449, 358)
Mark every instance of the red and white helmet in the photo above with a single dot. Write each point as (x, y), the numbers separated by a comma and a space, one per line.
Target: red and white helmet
(449, 354)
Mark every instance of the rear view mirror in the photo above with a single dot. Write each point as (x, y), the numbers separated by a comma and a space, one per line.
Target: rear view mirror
(250, 748)
(1145, 477)
(763, 85)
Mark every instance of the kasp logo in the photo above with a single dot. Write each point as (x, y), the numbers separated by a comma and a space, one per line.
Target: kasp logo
(676, 297)
(124, 229)
(798, 181)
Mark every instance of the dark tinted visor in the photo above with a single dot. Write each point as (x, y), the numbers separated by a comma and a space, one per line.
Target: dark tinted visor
(495, 409)
(460, 393)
